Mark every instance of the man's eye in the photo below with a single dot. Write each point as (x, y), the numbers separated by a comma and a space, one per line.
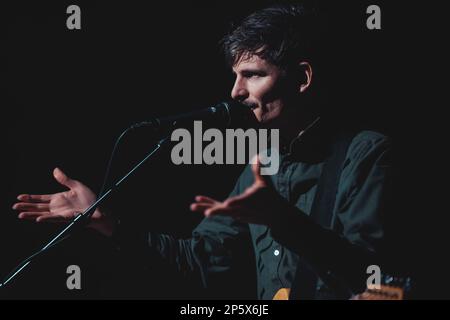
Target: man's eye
(252, 75)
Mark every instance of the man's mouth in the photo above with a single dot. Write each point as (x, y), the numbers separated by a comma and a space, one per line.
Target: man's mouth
(250, 105)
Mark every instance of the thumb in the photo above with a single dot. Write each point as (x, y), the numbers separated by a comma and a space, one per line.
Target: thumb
(63, 179)
(256, 169)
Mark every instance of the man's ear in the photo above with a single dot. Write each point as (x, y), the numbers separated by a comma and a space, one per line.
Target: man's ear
(306, 70)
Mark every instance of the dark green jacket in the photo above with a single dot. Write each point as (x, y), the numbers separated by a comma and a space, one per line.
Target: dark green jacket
(340, 256)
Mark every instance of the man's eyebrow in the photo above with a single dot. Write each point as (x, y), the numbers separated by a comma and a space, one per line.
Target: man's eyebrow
(250, 70)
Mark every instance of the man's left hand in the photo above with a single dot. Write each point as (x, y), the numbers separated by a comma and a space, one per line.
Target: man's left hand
(254, 205)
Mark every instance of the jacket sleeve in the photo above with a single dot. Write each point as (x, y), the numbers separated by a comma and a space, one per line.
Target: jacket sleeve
(342, 257)
(218, 253)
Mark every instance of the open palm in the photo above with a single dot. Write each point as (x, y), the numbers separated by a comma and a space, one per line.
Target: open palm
(57, 207)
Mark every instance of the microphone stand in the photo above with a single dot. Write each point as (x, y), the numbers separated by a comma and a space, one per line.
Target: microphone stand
(80, 220)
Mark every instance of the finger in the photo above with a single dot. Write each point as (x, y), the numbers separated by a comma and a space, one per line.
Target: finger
(223, 210)
(256, 169)
(237, 201)
(53, 219)
(63, 179)
(34, 197)
(24, 206)
(241, 199)
(31, 215)
(205, 199)
(200, 207)
(238, 213)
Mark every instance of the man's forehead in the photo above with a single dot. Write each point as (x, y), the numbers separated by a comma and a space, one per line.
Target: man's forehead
(250, 61)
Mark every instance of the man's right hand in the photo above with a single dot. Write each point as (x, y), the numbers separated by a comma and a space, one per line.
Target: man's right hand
(63, 206)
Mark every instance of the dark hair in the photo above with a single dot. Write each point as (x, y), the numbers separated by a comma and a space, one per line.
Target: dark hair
(280, 34)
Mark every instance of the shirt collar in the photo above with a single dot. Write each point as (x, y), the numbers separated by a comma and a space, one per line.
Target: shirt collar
(310, 145)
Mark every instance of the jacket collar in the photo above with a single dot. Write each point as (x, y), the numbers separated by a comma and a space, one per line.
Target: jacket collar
(311, 144)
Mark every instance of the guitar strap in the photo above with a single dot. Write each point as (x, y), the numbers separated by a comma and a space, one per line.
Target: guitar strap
(306, 279)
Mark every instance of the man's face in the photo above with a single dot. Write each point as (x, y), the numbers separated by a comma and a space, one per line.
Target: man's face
(262, 86)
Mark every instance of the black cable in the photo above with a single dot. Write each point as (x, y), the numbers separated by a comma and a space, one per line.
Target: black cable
(25, 262)
(111, 158)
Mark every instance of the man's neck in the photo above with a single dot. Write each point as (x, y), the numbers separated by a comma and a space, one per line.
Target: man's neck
(295, 129)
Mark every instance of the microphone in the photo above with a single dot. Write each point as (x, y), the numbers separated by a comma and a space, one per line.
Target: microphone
(224, 114)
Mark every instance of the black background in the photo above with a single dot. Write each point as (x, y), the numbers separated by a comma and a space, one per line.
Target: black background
(70, 93)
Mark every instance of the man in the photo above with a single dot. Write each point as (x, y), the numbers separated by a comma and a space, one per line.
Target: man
(320, 255)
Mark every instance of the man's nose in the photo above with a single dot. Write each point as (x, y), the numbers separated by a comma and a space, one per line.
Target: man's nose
(239, 92)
